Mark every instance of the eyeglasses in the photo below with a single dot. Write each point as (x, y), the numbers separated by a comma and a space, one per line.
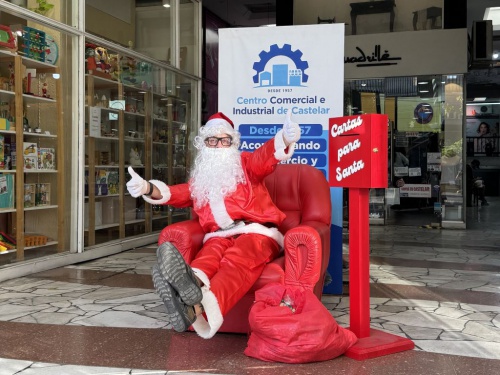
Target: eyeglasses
(214, 141)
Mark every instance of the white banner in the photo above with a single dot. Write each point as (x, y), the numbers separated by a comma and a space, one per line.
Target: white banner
(264, 72)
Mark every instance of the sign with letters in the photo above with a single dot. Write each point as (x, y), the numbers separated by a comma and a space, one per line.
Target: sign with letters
(358, 151)
(266, 72)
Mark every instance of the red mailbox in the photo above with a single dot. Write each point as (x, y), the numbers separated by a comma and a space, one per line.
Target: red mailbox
(358, 151)
(358, 161)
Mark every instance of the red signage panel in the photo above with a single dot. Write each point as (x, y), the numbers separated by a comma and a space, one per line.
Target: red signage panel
(358, 151)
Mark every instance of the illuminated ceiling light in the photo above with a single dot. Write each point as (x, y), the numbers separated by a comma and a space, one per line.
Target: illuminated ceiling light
(166, 3)
(479, 99)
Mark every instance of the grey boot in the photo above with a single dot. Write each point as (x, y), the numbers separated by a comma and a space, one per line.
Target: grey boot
(178, 274)
(180, 315)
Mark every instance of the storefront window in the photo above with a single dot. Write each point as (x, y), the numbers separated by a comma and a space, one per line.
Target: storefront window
(151, 130)
(58, 159)
(189, 37)
(155, 34)
(61, 11)
(113, 20)
(425, 146)
(139, 114)
(482, 134)
(39, 82)
(167, 31)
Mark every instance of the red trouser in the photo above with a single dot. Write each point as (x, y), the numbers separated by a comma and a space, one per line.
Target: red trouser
(234, 264)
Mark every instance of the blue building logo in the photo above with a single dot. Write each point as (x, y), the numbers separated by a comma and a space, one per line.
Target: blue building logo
(280, 67)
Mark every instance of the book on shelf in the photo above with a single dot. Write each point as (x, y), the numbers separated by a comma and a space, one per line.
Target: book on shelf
(46, 158)
(13, 157)
(2, 152)
(7, 157)
(101, 182)
(29, 195)
(30, 155)
(7, 191)
(42, 194)
(113, 179)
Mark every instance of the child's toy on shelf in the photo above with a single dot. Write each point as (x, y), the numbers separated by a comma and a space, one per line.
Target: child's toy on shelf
(135, 157)
(7, 40)
(32, 43)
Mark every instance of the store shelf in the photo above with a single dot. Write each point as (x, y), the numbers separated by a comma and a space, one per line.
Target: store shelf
(49, 243)
(44, 207)
(35, 174)
(150, 136)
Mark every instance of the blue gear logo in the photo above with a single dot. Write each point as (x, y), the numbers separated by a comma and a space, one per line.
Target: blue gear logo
(287, 71)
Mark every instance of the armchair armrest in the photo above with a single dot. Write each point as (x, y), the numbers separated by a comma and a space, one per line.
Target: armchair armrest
(304, 255)
(186, 236)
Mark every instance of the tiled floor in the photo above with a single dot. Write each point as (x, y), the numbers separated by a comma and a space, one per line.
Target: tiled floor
(440, 288)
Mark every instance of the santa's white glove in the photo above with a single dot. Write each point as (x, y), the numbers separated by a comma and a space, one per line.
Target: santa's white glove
(137, 186)
(291, 130)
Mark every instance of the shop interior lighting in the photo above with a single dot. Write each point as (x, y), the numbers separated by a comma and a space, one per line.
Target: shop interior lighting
(493, 14)
(479, 99)
(166, 3)
(426, 87)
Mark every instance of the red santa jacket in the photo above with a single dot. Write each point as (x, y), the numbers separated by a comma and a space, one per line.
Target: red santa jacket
(250, 202)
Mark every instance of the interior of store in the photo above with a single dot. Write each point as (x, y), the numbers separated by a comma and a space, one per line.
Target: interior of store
(482, 114)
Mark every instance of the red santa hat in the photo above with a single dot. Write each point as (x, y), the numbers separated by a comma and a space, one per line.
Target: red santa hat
(218, 123)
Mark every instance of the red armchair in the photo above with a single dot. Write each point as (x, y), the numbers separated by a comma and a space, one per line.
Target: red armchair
(303, 194)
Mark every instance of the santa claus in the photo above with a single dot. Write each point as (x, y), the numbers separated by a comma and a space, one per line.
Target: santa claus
(227, 192)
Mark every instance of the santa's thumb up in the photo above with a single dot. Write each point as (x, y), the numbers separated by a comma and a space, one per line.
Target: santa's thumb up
(291, 130)
(136, 186)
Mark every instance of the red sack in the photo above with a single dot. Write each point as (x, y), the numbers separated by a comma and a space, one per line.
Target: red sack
(291, 325)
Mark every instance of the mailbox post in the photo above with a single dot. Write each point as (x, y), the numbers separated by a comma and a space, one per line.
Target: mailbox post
(358, 160)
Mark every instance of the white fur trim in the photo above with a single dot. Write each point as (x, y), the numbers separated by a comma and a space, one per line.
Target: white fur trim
(202, 276)
(220, 213)
(215, 127)
(215, 319)
(245, 229)
(164, 190)
(280, 147)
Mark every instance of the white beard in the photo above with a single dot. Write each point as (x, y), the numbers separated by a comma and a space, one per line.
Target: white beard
(216, 174)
